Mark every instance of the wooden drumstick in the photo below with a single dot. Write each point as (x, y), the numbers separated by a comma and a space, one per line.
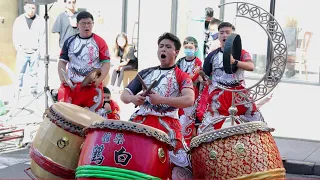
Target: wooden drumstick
(144, 86)
(148, 91)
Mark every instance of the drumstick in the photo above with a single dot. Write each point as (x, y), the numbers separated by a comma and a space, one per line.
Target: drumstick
(144, 86)
(148, 90)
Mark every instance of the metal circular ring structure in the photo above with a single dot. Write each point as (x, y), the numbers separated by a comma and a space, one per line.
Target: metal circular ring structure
(277, 61)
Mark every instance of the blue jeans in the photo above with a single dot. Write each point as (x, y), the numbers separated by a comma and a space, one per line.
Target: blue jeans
(25, 60)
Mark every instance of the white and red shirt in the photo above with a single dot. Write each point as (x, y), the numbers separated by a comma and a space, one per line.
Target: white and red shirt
(83, 55)
(192, 67)
(171, 81)
(213, 67)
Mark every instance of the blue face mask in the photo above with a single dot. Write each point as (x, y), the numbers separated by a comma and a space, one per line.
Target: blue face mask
(189, 52)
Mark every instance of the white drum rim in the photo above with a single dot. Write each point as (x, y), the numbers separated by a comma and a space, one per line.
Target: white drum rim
(78, 120)
(133, 127)
(244, 128)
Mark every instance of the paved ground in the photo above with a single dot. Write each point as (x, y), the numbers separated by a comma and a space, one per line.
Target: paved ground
(13, 164)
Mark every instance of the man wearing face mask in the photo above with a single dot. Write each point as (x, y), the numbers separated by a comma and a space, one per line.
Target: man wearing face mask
(191, 65)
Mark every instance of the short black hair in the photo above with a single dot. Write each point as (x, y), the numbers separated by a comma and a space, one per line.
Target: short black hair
(190, 39)
(106, 90)
(84, 15)
(209, 12)
(172, 37)
(215, 21)
(226, 24)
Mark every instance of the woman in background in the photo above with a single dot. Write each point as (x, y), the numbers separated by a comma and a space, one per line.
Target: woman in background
(124, 56)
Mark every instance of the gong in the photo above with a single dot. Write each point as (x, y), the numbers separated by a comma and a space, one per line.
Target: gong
(232, 47)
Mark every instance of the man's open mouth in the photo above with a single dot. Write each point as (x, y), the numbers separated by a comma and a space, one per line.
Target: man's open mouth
(163, 56)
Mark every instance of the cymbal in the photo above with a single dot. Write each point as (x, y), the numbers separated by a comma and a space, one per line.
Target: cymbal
(96, 73)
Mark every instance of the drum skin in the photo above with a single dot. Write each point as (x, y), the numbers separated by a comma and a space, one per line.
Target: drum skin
(53, 153)
(125, 150)
(244, 156)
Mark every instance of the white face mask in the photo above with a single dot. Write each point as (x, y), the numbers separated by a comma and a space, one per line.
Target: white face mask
(189, 52)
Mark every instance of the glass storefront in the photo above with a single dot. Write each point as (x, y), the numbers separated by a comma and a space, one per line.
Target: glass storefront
(301, 35)
(155, 18)
(191, 17)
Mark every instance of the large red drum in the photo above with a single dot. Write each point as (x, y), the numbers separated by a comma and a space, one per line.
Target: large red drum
(243, 152)
(118, 149)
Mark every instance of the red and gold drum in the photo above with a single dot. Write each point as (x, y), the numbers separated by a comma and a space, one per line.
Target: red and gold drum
(245, 151)
(56, 148)
(118, 149)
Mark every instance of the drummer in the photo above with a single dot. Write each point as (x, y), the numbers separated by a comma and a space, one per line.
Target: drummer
(219, 100)
(173, 90)
(83, 53)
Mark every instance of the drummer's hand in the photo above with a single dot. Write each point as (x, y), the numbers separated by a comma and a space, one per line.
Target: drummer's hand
(73, 22)
(138, 99)
(232, 60)
(62, 81)
(97, 81)
(107, 107)
(200, 79)
(203, 82)
(155, 98)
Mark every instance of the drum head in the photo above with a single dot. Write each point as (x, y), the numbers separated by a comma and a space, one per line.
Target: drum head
(229, 131)
(75, 114)
(232, 46)
(131, 126)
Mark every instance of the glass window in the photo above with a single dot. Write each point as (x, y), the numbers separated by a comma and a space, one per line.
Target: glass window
(254, 38)
(191, 20)
(108, 18)
(155, 19)
(301, 34)
(133, 21)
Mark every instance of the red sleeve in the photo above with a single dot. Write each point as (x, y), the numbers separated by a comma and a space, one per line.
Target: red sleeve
(183, 79)
(198, 68)
(104, 54)
(245, 56)
(115, 111)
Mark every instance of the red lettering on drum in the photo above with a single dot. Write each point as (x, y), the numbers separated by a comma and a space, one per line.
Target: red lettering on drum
(96, 155)
(122, 157)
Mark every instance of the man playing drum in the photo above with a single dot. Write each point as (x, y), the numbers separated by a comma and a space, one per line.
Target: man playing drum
(172, 89)
(218, 100)
(83, 53)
